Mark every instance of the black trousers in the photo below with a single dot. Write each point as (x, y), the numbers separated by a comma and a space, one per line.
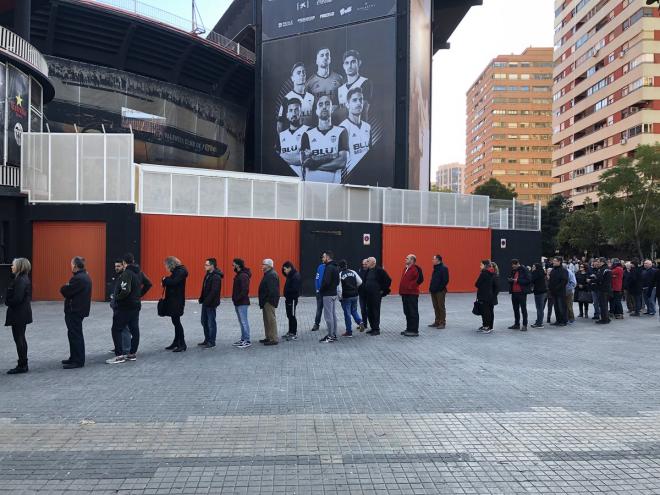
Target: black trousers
(411, 310)
(373, 300)
(179, 337)
(561, 311)
(18, 332)
(121, 319)
(487, 314)
(519, 302)
(603, 299)
(290, 305)
(363, 308)
(76, 339)
(584, 309)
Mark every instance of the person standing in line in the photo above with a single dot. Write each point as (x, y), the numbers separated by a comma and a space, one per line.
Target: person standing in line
(604, 286)
(269, 298)
(594, 289)
(210, 300)
(487, 287)
(19, 310)
(411, 278)
(570, 296)
(347, 290)
(240, 296)
(582, 292)
(320, 270)
(557, 287)
(438, 290)
(131, 286)
(617, 289)
(77, 303)
(635, 287)
(540, 290)
(377, 284)
(519, 286)
(291, 295)
(362, 273)
(648, 287)
(175, 300)
(551, 301)
(114, 287)
(328, 291)
(630, 301)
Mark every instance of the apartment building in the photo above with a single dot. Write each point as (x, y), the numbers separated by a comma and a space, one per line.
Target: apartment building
(449, 177)
(606, 96)
(509, 124)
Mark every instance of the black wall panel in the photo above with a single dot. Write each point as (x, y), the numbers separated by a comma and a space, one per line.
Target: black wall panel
(522, 245)
(344, 239)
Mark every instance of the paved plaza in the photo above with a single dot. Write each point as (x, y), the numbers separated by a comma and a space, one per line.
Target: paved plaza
(554, 410)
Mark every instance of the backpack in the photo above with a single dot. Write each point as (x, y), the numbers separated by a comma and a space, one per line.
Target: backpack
(420, 275)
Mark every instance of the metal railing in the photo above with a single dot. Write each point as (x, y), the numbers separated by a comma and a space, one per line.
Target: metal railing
(78, 168)
(141, 9)
(14, 45)
(509, 214)
(10, 176)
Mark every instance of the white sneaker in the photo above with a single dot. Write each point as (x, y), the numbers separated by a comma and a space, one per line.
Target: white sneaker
(244, 345)
(116, 360)
(238, 343)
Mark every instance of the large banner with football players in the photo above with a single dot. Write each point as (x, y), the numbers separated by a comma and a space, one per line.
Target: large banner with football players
(328, 109)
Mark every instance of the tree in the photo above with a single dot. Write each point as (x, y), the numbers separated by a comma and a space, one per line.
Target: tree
(629, 199)
(435, 188)
(552, 215)
(494, 189)
(582, 229)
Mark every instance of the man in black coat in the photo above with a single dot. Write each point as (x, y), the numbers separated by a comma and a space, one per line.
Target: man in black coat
(376, 284)
(604, 287)
(131, 286)
(362, 273)
(328, 292)
(269, 298)
(635, 287)
(519, 286)
(77, 302)
(438, 290)
(210, 300)
(557, 287)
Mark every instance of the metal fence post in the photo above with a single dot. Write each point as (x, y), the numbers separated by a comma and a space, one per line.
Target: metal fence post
(513, 217)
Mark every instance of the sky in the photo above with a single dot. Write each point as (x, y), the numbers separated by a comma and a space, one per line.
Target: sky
(497, 27)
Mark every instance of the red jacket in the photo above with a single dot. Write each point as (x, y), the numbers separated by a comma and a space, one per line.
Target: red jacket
(408, 285)
(617, 278)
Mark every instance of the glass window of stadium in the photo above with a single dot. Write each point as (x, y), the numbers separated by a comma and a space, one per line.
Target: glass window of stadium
(21, 110)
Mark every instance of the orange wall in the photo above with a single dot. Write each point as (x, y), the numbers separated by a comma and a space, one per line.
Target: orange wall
(193, 239)
(53, 246)
(461, 250)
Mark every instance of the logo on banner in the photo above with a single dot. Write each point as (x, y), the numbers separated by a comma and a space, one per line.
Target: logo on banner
(346, 11)
(302, 5)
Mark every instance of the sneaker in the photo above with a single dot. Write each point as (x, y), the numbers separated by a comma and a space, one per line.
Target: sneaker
(373, 332)
(131, 357)
(116, 360)
(523, 328)
(326, 339)
(315, 328)
(291, 336)
(238, 343)
(534, 325)
(208, 345)
(361, 327)
(202, 344)
(481, 329)
(487, 330)
(514, 327)
(346, 334)
(410, 334)
(244, 345)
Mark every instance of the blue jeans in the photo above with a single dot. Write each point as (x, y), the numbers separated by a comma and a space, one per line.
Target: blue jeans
(209, 324)
(242, 313)
(594, 297)
(540, 300)
(349, 305)
(649, 299)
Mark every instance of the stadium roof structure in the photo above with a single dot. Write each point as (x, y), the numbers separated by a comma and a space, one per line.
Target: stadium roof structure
(237, 23)
(102, 34)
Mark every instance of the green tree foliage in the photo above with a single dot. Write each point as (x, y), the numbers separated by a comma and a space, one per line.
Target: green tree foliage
(494, 189)
(582, 229)
(552, 215)
(629, 200)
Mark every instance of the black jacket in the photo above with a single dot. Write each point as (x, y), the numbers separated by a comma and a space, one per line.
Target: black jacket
(128, 289)
(18, 298)
(635, 281)
(362, 272)
(604, 280)
(383, 280)
(439, 278)
(175, 291)
(78, 294)
(269, 289)
(292, 285)
(558, 281)
(539, 283)
(524, 280)
(240, 293)
(349, 283)
(648, 277)
(211, 287)
(487, 287)
(330, 279)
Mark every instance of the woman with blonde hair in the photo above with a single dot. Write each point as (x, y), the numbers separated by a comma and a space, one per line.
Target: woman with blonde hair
(175, 300)
(19, 310)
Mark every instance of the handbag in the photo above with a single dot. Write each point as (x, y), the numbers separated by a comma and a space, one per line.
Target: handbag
(162, 305)
(476, 309)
